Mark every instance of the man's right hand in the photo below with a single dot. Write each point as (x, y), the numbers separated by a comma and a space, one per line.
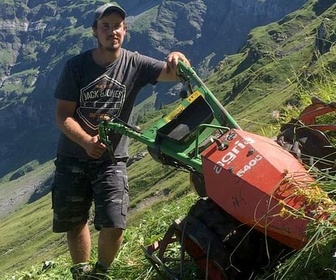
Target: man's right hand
(94, 148)
(71, 128)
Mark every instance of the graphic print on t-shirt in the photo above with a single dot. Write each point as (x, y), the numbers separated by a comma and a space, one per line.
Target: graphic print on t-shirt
(103, 96)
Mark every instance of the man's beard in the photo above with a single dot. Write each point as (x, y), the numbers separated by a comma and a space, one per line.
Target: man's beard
(110, 49)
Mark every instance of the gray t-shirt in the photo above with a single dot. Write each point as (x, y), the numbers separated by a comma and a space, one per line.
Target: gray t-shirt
(104, 90)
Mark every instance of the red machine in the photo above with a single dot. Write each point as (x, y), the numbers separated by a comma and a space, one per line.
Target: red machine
(257, 196)
(257, 182)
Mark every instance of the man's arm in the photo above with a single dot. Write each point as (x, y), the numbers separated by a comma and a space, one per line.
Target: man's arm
(168, 72)
(71, 128)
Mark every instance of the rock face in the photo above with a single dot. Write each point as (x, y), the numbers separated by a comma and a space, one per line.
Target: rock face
(38, 36)
(202, 28)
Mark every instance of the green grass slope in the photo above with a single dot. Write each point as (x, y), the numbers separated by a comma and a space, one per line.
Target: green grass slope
(159, 196)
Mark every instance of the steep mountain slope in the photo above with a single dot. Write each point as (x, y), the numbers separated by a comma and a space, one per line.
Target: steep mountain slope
(276, 63)
(38, 36)
(209, 30)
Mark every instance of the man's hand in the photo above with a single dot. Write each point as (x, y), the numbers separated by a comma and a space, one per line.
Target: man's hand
(71, 128)
(94, 148)
(168, 73)
(172, 60)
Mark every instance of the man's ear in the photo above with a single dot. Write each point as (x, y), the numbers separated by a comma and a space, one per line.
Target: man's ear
(94, 31)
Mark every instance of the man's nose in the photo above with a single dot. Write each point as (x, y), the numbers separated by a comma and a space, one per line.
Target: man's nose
(112, 30)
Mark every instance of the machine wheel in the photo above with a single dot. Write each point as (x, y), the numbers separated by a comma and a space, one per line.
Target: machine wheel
(238, 251)
(197, 183)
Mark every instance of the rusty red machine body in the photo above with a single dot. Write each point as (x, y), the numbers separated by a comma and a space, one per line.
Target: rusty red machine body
(256, 181)
(254, 190)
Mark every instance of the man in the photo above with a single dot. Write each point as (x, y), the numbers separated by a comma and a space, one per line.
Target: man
(105, 80)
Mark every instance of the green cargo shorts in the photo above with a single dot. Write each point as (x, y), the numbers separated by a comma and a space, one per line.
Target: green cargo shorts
(79, 183)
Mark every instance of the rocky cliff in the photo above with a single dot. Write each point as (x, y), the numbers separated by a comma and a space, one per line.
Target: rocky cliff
(208, 30)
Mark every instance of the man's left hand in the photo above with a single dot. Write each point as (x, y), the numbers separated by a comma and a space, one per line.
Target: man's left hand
(173, 58)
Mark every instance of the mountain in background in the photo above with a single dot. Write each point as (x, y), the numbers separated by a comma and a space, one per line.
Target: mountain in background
(37, 37)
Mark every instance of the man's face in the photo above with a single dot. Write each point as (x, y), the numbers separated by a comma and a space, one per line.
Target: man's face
(110, 31)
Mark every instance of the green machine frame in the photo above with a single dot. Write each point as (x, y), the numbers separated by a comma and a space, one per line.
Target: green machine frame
(178, 138)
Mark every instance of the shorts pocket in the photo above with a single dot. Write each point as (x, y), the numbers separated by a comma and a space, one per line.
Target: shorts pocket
(125, 200)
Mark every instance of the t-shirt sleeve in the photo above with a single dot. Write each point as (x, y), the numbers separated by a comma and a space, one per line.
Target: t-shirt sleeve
(68, 84)
(150, 69)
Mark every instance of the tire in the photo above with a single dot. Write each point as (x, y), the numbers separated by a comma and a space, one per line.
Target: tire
(240, 251)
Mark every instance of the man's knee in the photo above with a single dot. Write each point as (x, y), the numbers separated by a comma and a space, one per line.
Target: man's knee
(114, 235)
(78, 230)
(116, 232)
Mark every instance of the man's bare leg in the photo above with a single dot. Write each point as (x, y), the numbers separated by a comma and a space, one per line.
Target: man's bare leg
(79, 243)
(109, 242)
